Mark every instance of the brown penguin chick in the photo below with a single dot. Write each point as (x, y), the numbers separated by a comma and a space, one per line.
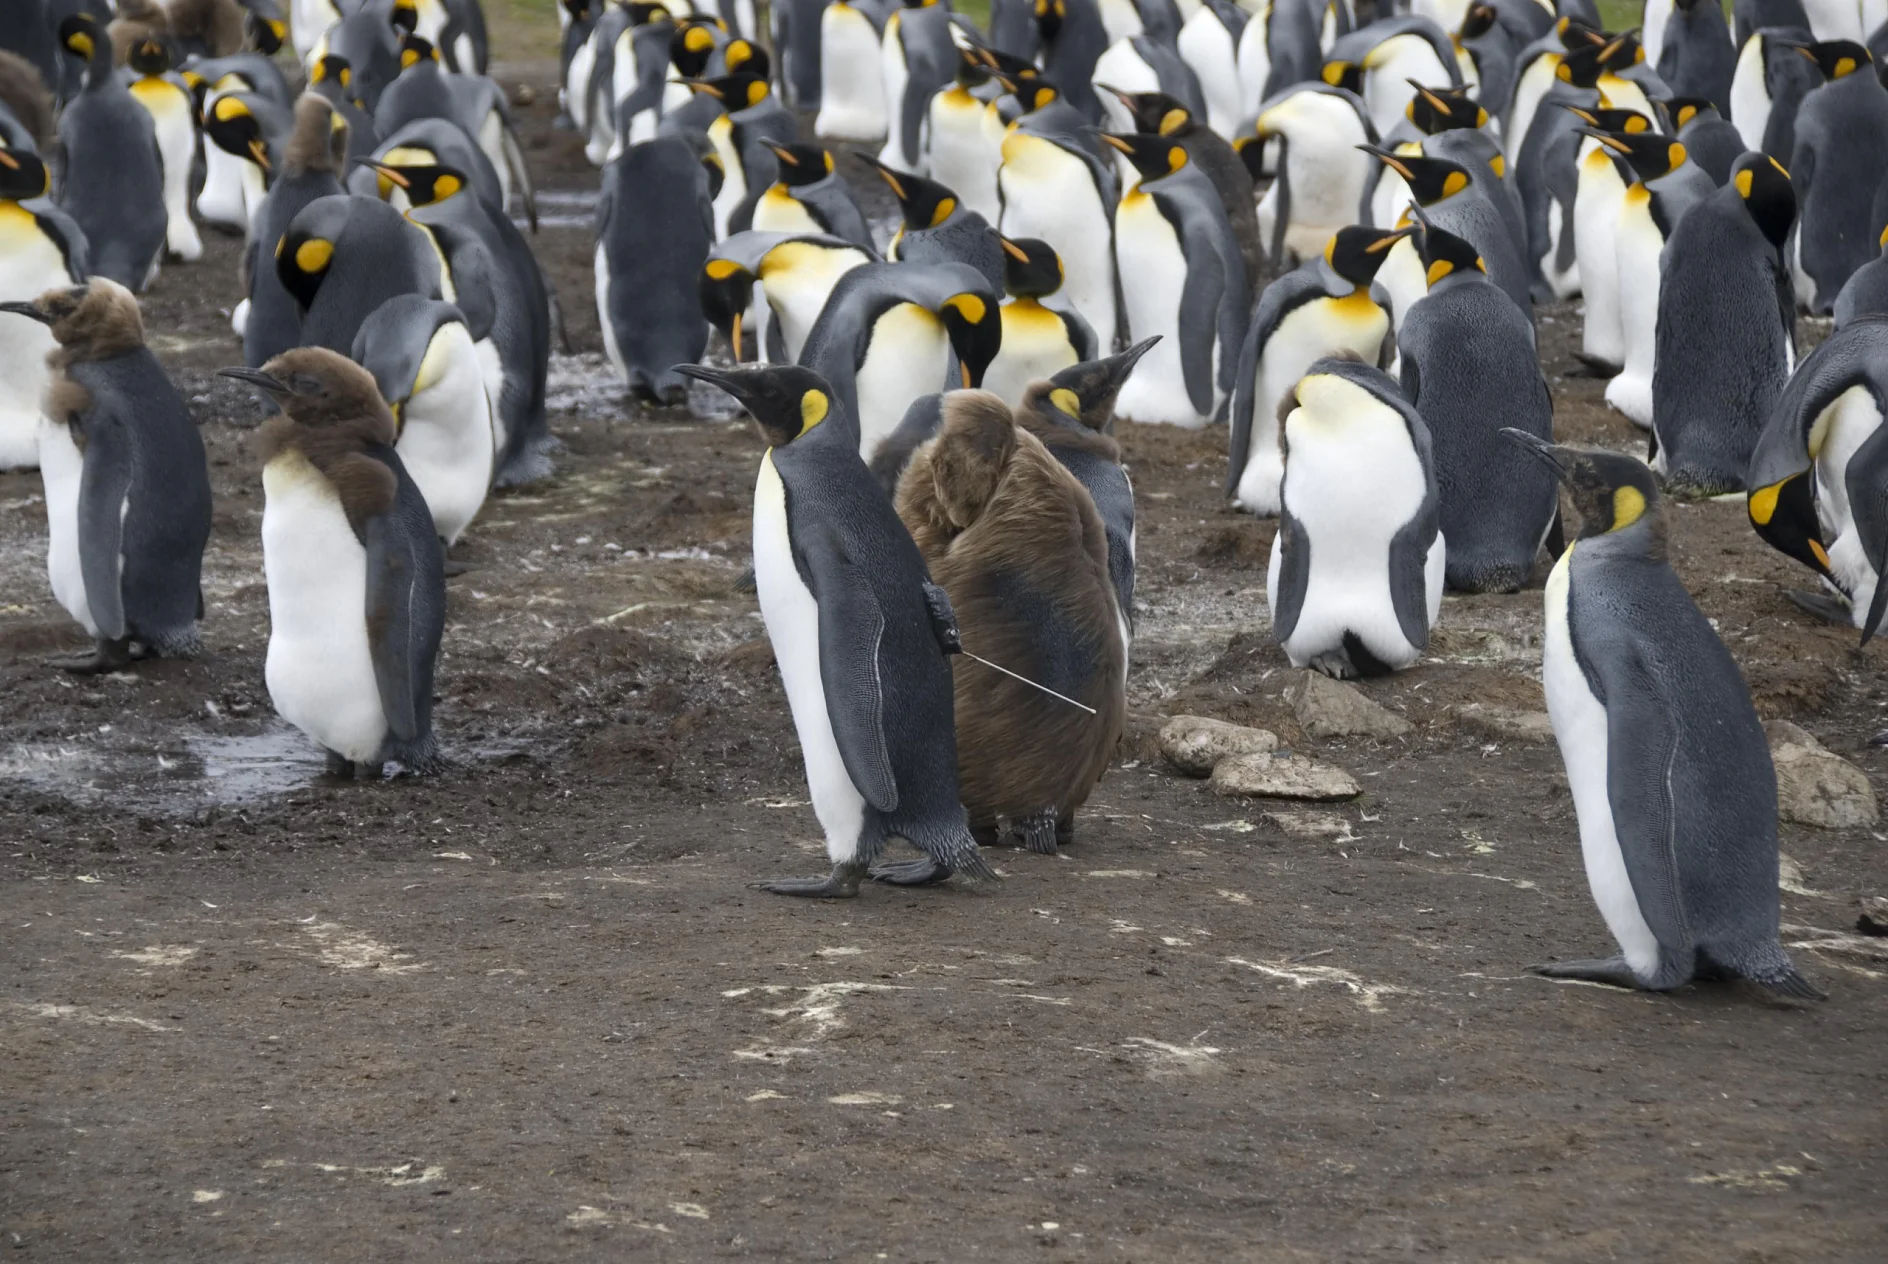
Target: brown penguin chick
(1016, 543)
(23, 92)
(212, 28)
(332, 412)
(90, 323)
(318, 140)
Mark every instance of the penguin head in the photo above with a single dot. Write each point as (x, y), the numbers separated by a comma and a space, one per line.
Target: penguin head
(1031, 267)
(1622, 51)
(801, 165)
(1005, 67)
(1612, 491)
(95, 321)
(1837, 59)
(1355, 253)
(579, 10)
(233, 126)
(974, 324)
(1347, 75)
(785, 400)
(1478, 21)
(646, 12)
(1429, 179)
(1581, 67)
(726, 288)
(1444, 254)
(1032, 92)
(1764, 185)
(424, 185)
(335, 70)
(1649, 154)
(1435, 110)
(81, 36)
(266, 35)
(972, 71)
(691, 47)
(1049, 18)
(1607, 119)
(1155, 113)
(748, 58)
(416, 50)
(924, 203)
(1084, 394)
(1784, 514)
(23, 176)
(324, 392)
(306, 251)
(1152, 154)
(735, 92)
(404, 16)
(976, 439)
(1680, 111)
(1575, 34)
(149, 56)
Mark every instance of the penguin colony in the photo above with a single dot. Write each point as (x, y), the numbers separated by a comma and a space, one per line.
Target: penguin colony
(1322, 222)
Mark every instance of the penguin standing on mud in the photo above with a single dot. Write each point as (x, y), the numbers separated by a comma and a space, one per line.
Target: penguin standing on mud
(1355, 581)
(1670, 772)
(655, 225)
(861, 635)
(112, 182)
(40, 248)
(173, 113)
(1020, 550)
(357, 590)
(1468, 365)
(127, 484)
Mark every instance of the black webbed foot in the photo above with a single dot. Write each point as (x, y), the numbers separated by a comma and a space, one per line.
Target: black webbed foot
(841, 884)
(910, 873)
(109, 656)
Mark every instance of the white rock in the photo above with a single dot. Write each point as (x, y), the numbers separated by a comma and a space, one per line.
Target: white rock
(1510, 724)
(1310, 824)
(1195, 744)
(1283, 777)
(1331, 708)
(1815, 786)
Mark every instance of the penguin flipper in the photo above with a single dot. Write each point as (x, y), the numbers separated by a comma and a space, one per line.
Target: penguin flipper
(1199, 328)
(104, 491)
(851, 628)
(1409, 563)
(405, 613)
(1294, 575)
(1081, 336)
(1866, 480)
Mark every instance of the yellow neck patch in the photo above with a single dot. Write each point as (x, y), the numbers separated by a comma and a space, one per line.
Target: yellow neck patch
(813, 409)
(1066, 400)
(1628, 507)
(1454, 183)
(1172, 121)
(1439, 269)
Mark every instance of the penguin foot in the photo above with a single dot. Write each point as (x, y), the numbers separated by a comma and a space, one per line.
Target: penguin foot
(110, 656)
(910, 873)
(1824, 606)
(1612, 970)
(841, 884)
(1336, 665)
(1039, 830)
(1594, 366)
(340, 765)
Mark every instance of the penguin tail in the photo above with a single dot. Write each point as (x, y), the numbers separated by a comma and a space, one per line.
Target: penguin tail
(1775, 972)
(961, 853)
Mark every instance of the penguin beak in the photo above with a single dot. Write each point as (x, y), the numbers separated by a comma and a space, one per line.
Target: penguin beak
(1389, 160)
(1550, 455)
(28, 310)
(392, 173)
(714, 377)
(1121, 96)
(1126, 361)
(256, 378)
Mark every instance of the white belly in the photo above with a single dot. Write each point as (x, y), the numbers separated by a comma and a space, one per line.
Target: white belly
(1035, 347)
(1750, 100)
(1327, 184)
(1835, 19)
(1121, 66)
(797, 293)
(1153, 273)
(1206, 46)
(908, 357)
(792, 618)
(1595, 227)
(319, 670)
(309, 21)
(1393, 63)
(1403, 279)
(734, 178)
(1120, 19)
(1320, 328)
(60, 468)
(173, 116)
(30, 264)
(1652, 37)
(894, 76)
(1639, 245)
(231, 186)
(447, 437)
(577, 83)
(1833, 438)
(960, 155)
(491, 140)
(1255, 64)
(1535, 83)
(610, 349)
(779, 212)
(852, 88)
(1050, 194)
(1580, 727)
(1390, 198)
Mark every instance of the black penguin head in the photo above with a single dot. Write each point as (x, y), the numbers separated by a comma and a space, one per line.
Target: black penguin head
(416, 50)
(1003, 66)
(726, 288)
(149, 56)
(1049, 17)
(333, 76)
(1784, 514)
(1031, 267)
(691, 47)
(23, 176)
(305, 253)
(1575, 34)
(1478, 21)
(234, 128)
(924, 203)
(1581, 66)
(1031, 93)
(785, 400)
(578, 10)
(266, 34)
(82, 37)
(1622, 51)
(1612, 491)
(972, 71)
(322, 389)
(1768, 195)
(1444, 254)
(975, 326)
(1607, 119)
(801, 165)
(1084, 394)
(1680, 111)
(646, 13)
(1155, 113)
(1649, 154)
(1429, 179)
(1435, 110)
(1837, 59)
(404, 17)
(1152, 154)
(95, 321)
(1347, 75)
(748, 58)
(735, 92)
(425, 185)
(1355, 253)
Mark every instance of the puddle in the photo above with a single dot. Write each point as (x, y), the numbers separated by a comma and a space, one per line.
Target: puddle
(586, 383)
(563, 208)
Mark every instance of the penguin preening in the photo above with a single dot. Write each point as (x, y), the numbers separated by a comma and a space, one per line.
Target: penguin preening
(344, 255)
(795, 273)
(126, 481)
(40, 249)
(1020, 550)
(860, 633)
(112, 181)
(357, 590)
(311, 166)
(1669, 769)
(655, 225)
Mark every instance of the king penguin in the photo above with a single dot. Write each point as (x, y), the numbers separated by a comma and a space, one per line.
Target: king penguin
(1182, 280)
(655, 225)
(112, 182)
(1320, 178)
(127, 485)
(1324, 307)
(1866, 290)
(1726, 330)
(1696, 57)
(960, 152)
(938, 229)
(343, 256)
(173, 113)
(861, 636)
(1162, 115)
(1468, 365)
(795, 274)
(1458, 201)
(1355, 581)
(1018, 546)
(917, 57)
(810, 197)
(311, 165)
(357, 589)
(425, 364)
(1600, 187)
(40, 249)
(1037, 340)
(851, 81)
(242, 133)
(1840, 154)
(1670, 773)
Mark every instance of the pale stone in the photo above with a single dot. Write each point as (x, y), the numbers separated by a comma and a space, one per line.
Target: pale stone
(1873, 919)
(1815, 786)
(1283, 777)
(1509, 724)
(1331, 708)
(1310, 824)
(1195, 744)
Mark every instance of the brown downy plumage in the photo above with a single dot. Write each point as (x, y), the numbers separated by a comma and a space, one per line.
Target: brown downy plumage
(331, 411)
(23, 91)
(316, 143)
(214, 25)
(1039, 416)
(1017, 544)
(95, 321)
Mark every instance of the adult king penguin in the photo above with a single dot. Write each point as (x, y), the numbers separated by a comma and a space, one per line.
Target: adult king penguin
(311, 167)
(810, 197)
(112, 182)
(1670, 773)
(1320, 180)
(1162, 115)
(39, 249)
(127, 486)
(173, 113)
(1458, 201)
(1355, 581)
(655, 224)
(938, 229)
(1321, 308)
(861, 635)
(357, 590)
(1037, 340)
(795, 273)
(343, 256)
(1840, 154)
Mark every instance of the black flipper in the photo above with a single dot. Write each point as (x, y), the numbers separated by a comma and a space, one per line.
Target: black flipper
(1866, 480)
(104, 485)
(1294, 574)
(850, 628)
(405, 613)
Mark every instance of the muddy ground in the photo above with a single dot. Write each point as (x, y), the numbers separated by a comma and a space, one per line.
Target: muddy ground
(530, 1009)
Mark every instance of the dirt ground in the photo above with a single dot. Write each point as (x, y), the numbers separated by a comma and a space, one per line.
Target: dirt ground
(531, 1009)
